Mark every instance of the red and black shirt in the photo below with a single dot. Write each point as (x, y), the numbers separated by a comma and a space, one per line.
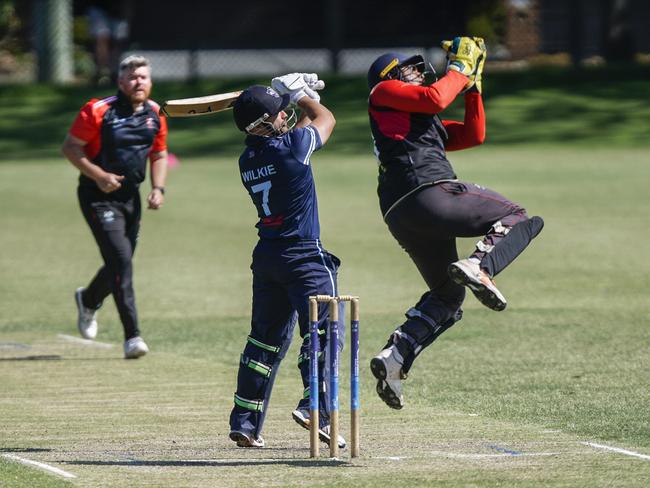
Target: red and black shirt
(119, 139)
(411, 141)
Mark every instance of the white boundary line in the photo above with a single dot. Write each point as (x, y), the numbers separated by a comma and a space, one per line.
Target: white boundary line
(85, 342)
(461, 455)
(618, 450)
(43, 466)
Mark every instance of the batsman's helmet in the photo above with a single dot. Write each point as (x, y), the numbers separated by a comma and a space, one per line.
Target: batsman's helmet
(388, 67)
(256, 104)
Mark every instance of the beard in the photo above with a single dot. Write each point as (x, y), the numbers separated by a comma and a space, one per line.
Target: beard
(139, 96)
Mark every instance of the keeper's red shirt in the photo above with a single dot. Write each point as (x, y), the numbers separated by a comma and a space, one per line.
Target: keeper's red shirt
(411, 140)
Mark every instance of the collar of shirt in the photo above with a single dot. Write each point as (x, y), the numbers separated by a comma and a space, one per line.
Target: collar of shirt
(252, 140)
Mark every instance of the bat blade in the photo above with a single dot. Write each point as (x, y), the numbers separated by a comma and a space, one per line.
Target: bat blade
(191, 107)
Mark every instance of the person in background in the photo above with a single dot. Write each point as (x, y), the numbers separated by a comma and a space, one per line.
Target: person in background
(110, 142)
(109, 28)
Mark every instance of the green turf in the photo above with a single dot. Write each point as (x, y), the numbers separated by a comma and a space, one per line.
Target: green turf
(16, 475)
(603, 107)
(502, 399)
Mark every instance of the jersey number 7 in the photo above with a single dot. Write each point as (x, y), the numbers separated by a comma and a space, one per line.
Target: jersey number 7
(265, 188)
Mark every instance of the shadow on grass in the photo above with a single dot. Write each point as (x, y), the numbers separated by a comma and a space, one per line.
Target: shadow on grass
(56, 357)
(40, 357)
(23, 449)
(301, 463)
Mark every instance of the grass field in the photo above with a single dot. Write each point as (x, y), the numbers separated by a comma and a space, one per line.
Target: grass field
(502, 399)
(601, 107)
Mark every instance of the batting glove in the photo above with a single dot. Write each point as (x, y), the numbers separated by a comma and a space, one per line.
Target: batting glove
(462, 54)
(292, 84)
(298, 85)
(288, 83)
(313, 94)
(313, 82)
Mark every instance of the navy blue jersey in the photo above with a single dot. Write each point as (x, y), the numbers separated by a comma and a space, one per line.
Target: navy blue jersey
(277, 174)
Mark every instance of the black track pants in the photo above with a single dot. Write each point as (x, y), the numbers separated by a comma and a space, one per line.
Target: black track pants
(427, 223)
(115, 226)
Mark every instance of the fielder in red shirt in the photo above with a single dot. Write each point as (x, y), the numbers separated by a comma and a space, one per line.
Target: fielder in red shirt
(426, 207)
(110, 142)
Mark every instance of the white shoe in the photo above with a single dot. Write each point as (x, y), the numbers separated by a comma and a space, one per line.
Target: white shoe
(246, 440)
(87, 317)
(303, 418)
(468, 273)
(135, 347)
(324, 435)
(387, 368)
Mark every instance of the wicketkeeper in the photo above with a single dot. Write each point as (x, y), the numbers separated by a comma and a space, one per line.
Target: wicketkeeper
(289, 261)
(426, 207)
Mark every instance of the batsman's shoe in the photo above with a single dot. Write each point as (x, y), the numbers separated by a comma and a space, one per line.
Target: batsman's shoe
(387, 368)
(324, 435)
(86, 318)
(246, 440)
(468, 273)
(303, 418)
(135, 347)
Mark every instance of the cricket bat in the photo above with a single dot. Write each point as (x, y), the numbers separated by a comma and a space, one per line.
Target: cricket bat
(190, 107)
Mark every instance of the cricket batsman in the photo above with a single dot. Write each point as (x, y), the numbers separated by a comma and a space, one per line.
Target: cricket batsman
(426, 207)
(290, 263)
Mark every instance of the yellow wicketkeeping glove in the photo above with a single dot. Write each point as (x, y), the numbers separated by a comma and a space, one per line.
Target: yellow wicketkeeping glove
(463, 54)
(478, 75)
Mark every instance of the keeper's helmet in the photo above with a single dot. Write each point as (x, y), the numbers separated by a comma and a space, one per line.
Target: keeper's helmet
(392, 66)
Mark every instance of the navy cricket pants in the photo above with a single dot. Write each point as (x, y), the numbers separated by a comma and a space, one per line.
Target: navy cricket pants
(285, 275)
(115, 224)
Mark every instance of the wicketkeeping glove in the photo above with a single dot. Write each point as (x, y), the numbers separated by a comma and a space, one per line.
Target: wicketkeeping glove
(477, 85)
(462, 54)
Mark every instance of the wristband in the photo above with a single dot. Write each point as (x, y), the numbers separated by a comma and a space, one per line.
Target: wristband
(161, 189)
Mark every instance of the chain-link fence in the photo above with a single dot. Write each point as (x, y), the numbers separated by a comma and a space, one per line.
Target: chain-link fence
(75, 40)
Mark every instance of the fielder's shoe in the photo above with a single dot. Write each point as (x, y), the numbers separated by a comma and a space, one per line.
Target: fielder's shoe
(387, 368)
(303, 418)
(468, 273)
(135, 347)
(246, 440)
(87, 317)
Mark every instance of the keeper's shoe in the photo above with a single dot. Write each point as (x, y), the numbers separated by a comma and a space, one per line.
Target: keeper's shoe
(135, 348)
(387, 368)
(468, 273)
(246, 440)
(303, 418)
(86, 318)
